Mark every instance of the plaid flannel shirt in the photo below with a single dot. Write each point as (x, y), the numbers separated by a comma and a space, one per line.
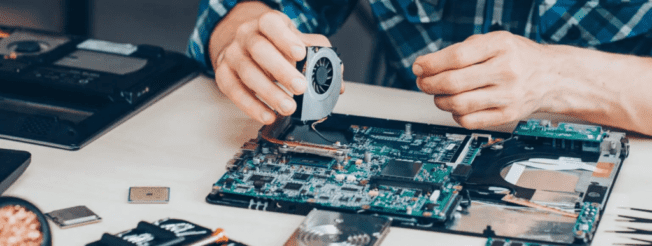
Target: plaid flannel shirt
(410, 28)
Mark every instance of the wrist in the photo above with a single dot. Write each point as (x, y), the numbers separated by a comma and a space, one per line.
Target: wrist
(578, 83)
(596, 86)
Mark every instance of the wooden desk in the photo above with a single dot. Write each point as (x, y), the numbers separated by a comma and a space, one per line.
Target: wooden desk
(184, 142)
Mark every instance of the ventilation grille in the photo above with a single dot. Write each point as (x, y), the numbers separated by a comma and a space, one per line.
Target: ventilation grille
(41, 126)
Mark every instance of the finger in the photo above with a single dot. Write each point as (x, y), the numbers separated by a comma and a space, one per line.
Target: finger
(470, 102)
(457, 81)
(315, 40)
(255, 79)
(460, 55)
(243, 98)
(265, 54)
(275, 29)
(485, 118)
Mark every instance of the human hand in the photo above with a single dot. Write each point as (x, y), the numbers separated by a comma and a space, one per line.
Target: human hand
(488, 79)
(264, 49)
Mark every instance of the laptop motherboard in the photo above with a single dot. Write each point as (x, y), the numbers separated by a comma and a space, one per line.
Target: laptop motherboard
(542, 183)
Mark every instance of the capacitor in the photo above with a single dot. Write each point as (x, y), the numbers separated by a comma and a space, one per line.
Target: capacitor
(339, 177)
(408, 130)
(358, 161)
(351, 178)
(545, 123)
(283, 149)
(367, 156)
(434, 196)
(339, 156)
(256, 161)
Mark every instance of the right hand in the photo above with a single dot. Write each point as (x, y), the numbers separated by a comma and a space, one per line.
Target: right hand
(263, 50)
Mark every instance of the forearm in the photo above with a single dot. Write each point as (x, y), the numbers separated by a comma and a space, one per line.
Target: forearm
(225, 30)
(604, 88)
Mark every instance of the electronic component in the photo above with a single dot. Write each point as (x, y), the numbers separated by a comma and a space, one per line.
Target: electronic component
(586, 221)
(564, 135)
(461, 172)
(334, 228)
(401, 169)
(149, 194)
(568, 131)
(595, 194)
(74, 216)
(323, 70)
(428, 177)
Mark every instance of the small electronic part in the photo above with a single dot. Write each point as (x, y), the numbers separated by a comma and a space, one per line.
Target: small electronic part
(435, 196)
(74, 216)
(402, 169)
(149, 195)
(167, 232)
(334, 228)
(568, 131)
(461, 172)
(565, 135)
(586, 221)
(595, 194)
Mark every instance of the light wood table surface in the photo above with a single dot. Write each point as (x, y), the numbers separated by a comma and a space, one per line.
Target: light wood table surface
(184, 141)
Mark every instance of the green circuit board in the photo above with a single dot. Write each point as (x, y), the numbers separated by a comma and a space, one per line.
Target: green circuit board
(568, 131)
(425, 177)
(586, 221)
(385, 170)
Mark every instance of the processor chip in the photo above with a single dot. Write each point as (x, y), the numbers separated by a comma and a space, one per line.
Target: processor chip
(74, 216)
(401, 169)
(149, 194)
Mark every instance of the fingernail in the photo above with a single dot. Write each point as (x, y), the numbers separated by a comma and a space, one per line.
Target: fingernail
(287, 105)
(417, 70)
(299, 85)
(298, 52)
(267, 117)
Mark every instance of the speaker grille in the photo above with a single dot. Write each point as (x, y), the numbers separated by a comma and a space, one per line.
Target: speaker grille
(41, 126)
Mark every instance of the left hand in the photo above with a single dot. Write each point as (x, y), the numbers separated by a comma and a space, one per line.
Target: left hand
(488, 79)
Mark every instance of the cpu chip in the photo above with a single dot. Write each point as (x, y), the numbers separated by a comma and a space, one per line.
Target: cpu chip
(74, 216)
(149, 194)
(401, 169)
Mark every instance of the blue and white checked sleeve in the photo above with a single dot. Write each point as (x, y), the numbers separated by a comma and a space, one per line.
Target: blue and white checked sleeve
(323, 17)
